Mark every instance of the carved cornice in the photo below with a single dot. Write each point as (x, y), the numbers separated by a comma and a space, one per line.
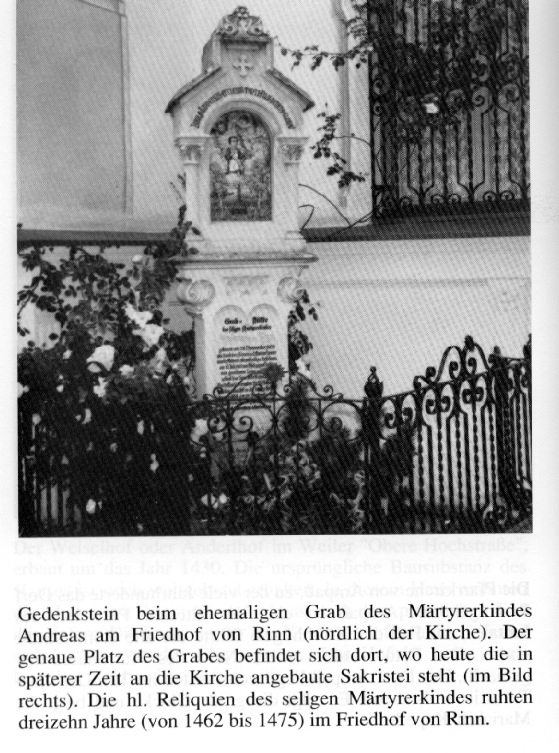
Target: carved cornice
(292, 152)
(246, 285)
(291, 149)
(191, 148)
(195, 294)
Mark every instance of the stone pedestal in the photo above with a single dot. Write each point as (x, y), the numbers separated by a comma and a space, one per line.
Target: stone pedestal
(240, 308)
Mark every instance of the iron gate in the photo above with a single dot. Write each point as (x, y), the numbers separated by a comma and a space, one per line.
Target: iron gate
(451, 455)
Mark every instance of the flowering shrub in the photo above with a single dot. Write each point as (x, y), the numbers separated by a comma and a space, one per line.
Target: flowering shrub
(85, 392)
(104, 405)
(112, 341)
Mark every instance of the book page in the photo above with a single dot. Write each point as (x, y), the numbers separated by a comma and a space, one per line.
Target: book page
(413, 637)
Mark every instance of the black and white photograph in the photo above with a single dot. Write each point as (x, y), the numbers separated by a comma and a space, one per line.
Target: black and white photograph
(273, 268)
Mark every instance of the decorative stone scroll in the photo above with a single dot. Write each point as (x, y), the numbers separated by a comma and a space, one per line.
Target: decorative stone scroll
(290, 289)
(195, 294)
(240, 25)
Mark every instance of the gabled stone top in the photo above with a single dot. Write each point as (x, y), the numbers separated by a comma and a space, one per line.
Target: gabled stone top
(240, 46)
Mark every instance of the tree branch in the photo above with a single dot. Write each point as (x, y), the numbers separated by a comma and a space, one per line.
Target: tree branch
(338, 210)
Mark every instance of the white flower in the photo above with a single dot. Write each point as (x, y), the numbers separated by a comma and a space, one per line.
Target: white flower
(150, 334)
(140, 427)
(200, 428)
(140, 318)
(101, 387)
(60, 388)
(90, 506)
(154, 464)
(431, 108)
(126, 370)
(36, 419)
(21, 389)
(104, 355)
(303, 367)
(66, 355)
(159, 360)
(86, 416)
(209, 500)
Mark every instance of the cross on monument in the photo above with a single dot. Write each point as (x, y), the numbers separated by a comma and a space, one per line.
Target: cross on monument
(243, 66)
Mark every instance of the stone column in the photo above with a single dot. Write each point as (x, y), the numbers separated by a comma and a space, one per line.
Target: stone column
(290, 152)
(191, 150)
(196, 293)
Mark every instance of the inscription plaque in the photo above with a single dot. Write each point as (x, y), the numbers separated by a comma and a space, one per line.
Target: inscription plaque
(247, 343)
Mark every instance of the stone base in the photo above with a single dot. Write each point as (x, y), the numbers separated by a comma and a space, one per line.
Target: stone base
(240, 303)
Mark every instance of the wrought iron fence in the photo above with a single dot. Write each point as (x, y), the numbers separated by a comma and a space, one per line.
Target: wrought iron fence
(449, 105)
(451, 455)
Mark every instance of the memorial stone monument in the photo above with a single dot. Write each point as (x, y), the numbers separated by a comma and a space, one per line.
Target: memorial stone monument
(239, 130)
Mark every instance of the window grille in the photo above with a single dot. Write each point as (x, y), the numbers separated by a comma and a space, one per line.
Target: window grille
(449, 105)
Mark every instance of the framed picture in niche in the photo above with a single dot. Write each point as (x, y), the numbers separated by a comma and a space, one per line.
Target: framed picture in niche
(240, 169)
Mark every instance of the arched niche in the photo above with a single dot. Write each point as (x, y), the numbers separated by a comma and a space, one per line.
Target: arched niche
(240, 201)
(240, 167)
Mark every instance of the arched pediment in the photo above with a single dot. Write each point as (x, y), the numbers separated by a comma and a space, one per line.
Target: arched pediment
(237, 62)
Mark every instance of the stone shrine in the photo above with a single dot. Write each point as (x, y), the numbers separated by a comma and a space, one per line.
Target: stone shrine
(239, 130)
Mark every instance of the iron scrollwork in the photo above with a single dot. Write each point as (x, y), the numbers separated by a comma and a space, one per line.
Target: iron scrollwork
(449, 105)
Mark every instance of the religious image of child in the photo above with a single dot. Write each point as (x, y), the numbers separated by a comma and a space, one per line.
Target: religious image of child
(235, 156)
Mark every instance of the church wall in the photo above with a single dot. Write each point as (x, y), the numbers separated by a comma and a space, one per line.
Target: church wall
(397, 305)
(72, 150)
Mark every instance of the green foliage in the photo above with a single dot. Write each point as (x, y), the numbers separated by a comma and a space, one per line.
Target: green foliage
(111, 338)
(299, 343)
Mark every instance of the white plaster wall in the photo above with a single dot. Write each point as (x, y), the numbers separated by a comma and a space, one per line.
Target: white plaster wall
(398, 304)
(72, 150)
